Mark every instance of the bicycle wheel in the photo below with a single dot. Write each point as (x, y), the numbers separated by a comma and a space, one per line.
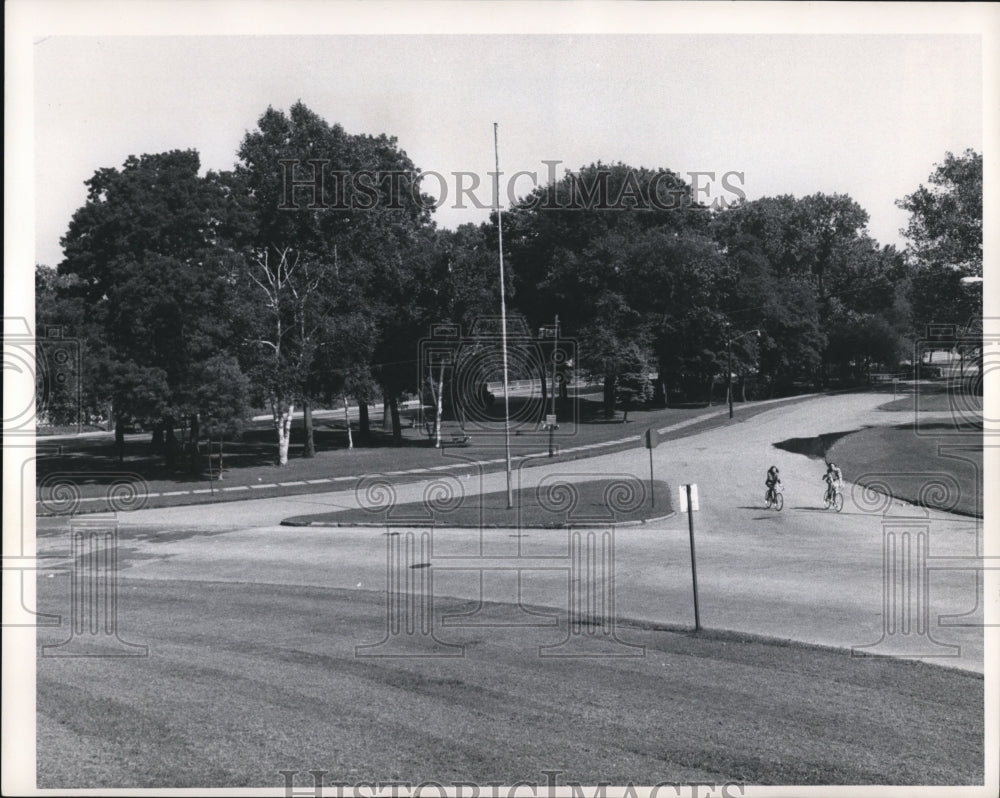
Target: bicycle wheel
(779, 501)
(767, 499)
(826, 500)
(838, 502)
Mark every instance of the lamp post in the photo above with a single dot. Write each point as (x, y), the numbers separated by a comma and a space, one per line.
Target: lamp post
(729, 365)
(555, 347)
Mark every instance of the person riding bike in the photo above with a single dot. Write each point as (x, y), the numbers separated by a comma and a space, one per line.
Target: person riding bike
(773, 480)
(834, 479)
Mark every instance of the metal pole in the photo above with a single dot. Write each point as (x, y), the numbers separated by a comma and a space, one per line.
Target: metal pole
(552, 387)
(729, 374)
(652, 501)
(555, 348)
(503, 320)
(694, 568)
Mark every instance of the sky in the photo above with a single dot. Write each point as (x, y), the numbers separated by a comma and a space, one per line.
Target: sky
(868, 115)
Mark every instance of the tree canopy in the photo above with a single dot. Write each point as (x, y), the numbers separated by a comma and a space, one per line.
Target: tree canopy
(309, 274)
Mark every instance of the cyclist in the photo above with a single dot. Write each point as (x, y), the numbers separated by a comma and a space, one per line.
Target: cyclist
(834, 479)
(773, 480)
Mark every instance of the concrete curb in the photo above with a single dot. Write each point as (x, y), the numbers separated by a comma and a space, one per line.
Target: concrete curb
(432, 525)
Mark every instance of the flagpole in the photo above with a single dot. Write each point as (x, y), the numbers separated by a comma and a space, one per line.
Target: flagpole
(503, 319)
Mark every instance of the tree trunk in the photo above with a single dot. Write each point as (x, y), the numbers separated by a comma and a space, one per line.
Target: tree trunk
(347, 420)
(659, 394)
(309, 449)
(439, 403)
(743, 389)
(387, 425)
(194, 433)
(283, 426)
(120, 438)
(156, 443)
(397, 430)
(609, 395)
(170, 441)
(364, 424)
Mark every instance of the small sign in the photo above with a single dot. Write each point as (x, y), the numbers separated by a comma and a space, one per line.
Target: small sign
(682, 490)
(651, 438)
(550, 420)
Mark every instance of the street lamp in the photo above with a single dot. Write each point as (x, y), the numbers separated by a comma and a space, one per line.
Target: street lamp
(729, 365)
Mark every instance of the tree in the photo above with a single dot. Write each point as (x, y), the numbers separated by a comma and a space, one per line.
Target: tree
(794, 266)
(145, 258)
(945, 233)
(599, 247)
(281, 353)
(348, 206)
(633, 384)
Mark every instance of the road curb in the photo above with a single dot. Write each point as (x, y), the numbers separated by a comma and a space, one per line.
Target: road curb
(292, 522)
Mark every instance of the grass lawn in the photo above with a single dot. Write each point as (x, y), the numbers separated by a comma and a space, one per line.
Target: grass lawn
(242, 681)
(907, 460)
(935, 397)
(558, 504)
(914, 468)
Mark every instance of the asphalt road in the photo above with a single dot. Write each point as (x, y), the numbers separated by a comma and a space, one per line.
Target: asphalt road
(270, 647)
(804, 574)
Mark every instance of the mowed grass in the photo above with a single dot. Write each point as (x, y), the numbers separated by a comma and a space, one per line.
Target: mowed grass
(906, 461)
(956, 398)
(245, 680)
(552, 504)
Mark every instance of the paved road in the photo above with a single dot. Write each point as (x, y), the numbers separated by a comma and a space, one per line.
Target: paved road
(804, 574)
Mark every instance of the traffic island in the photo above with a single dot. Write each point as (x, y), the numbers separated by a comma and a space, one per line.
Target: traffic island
(553, 504)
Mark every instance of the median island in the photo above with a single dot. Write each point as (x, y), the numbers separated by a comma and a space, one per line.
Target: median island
(553, 504)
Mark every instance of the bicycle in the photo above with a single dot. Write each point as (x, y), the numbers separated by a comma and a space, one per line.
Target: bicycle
(833, 498)
(773, 497)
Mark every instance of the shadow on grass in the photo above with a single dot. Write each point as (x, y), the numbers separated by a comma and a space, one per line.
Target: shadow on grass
(812, 447)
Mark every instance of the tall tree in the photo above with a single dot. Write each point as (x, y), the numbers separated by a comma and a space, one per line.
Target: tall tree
(945, 234)
(144, 257)
(348, 206)
(795, 267)
(588, 245)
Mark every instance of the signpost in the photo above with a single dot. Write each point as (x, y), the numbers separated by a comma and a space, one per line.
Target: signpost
(651, 439)
(689, 505)
(550, 422)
